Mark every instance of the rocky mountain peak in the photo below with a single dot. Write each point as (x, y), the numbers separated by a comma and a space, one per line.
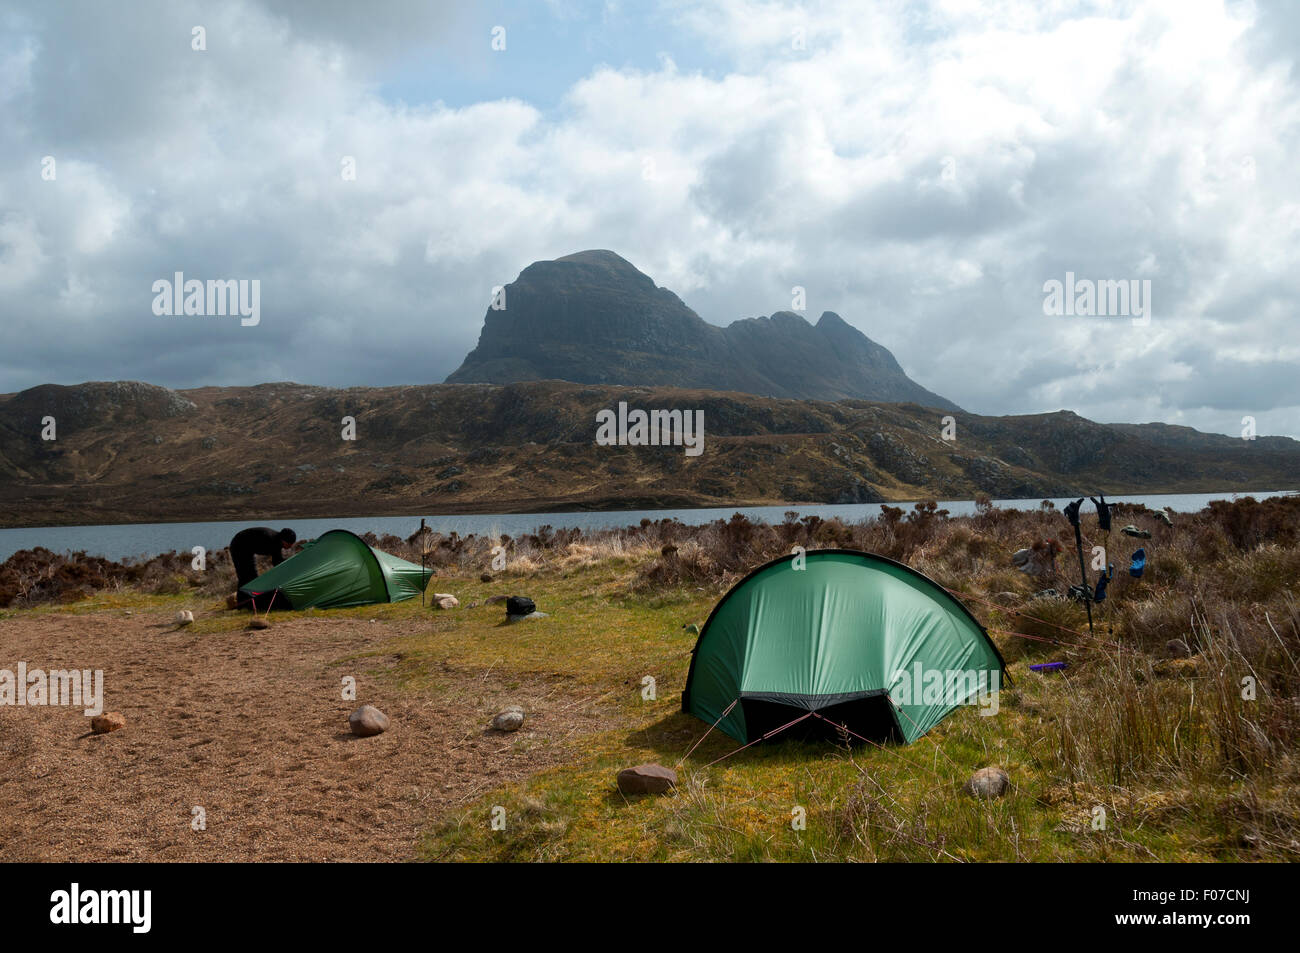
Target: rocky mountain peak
(593, 317)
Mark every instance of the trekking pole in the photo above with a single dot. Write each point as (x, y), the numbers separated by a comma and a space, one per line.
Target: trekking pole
(1103, 523)
(424, 583)
(1072, 514)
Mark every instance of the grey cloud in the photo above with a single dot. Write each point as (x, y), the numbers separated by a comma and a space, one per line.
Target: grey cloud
(226, 164)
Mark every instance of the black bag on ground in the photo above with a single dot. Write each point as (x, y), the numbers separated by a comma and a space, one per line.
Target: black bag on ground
(520, 605)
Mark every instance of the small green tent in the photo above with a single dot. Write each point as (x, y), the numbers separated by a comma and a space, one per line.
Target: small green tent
(859, 639)
(338, 569)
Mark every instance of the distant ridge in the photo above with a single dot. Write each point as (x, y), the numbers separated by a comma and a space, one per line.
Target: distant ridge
(593, 318)
(130, 452)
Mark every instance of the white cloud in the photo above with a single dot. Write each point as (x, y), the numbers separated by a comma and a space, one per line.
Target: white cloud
(921, 170)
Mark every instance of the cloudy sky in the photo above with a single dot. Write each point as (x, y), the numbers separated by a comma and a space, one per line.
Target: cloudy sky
(920, 168)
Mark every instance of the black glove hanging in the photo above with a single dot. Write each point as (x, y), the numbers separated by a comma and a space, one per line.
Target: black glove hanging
(1072, 512)
(1103, 512)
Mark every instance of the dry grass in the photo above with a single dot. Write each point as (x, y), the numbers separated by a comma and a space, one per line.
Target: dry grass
(1130, 755)
(1185, 758)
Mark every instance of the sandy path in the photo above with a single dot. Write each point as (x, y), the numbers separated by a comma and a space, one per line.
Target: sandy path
(250, 726)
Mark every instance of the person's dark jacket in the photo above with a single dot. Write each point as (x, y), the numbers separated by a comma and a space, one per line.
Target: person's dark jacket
(248, 544)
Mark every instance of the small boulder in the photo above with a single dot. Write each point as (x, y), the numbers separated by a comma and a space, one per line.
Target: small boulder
(485, 577)
(493, 600)
(988, 783)
(367, 721)
(512, 619)
(1177, 648)
(443, 600)
(690, 628)
(184, 617)
(1037, 560)
(647, 779)
(509, 719)
(109, 721)
(257, 622)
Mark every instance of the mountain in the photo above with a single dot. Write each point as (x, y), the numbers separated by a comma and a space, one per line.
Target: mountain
(593, 318)
(130, 452)
(1179, 437)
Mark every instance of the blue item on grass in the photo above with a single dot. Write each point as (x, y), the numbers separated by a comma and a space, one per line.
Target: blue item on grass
(1139, 563)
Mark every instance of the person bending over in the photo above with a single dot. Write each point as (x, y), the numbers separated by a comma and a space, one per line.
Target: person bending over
(248, 544)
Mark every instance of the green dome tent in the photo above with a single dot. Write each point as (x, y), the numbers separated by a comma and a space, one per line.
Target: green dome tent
(861, 640)
(338, 569)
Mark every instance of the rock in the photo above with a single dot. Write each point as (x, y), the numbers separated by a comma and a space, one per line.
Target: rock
(232, 600)
(367, 721)
(512, 619)
(1005, 597)
(988, 783)
(486, 577)
(1037, 560)
(1177, 648)
(184, 617)
(109, 721)
(443, 600)
(257, 622)
(509, 719)
(647, 779)
(1131, 530)
(493, 600)
(691, 628)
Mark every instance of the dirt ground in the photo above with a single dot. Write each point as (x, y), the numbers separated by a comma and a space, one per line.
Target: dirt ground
(251, 726)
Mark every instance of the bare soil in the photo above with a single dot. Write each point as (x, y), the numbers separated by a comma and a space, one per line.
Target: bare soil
(252, 727)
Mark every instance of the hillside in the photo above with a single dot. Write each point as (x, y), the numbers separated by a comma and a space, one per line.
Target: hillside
(593, 318)
(131, 452)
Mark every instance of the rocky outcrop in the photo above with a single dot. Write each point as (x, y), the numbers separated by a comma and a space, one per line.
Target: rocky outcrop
(593, 318)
